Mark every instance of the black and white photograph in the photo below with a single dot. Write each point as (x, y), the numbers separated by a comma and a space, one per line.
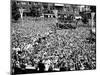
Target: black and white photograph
(50, 37)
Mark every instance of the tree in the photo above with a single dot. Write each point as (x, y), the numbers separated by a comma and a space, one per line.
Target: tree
(14, 11)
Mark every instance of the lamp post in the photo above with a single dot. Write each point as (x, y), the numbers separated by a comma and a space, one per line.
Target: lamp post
(23, 7)
(21, 10)
(92, 23)
(92, 18)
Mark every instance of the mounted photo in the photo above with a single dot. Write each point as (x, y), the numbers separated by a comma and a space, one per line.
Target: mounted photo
(52, 37)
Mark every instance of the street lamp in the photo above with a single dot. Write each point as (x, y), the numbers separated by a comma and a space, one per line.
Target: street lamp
(23, 6)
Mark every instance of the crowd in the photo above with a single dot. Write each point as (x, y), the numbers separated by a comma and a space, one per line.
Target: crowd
(66, 41)
(63, 50)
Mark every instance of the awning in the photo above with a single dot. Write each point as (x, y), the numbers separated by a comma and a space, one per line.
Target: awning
(58, 4)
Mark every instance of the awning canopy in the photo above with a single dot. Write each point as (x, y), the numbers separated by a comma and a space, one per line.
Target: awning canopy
(58, 4)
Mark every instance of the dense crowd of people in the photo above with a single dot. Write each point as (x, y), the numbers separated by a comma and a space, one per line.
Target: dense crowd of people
(60, 50)
(48, 37)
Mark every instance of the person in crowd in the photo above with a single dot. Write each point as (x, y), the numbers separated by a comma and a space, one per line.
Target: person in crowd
(41, 66)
